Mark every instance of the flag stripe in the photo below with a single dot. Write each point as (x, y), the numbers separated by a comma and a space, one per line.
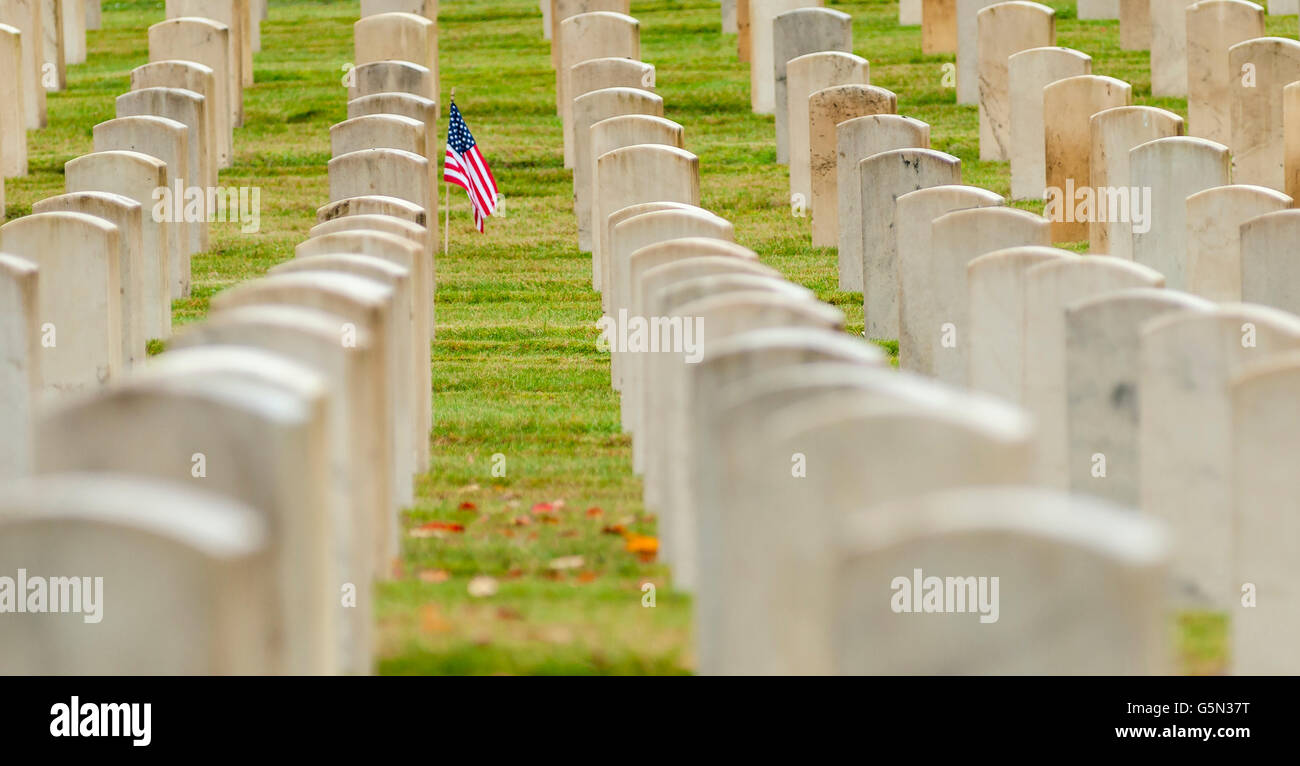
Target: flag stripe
(464, 166)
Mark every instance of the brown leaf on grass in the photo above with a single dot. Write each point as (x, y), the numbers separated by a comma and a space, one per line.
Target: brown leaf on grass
(645, 547)
(614, 529)
(594, 512)
(437, 529)
(522, 521)
(514, 574)
(432, 620)
(467, 506)
(541, 508)
(434, 575)
(506, 613)
(587, 577)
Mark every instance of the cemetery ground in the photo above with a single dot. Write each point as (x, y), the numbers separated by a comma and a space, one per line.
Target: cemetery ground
(539, 570)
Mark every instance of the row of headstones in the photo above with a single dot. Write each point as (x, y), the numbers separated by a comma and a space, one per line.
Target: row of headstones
(933, 236)
(248, 580)
(293, 414)
(753, 559)
(38, 40)
(1214, 52)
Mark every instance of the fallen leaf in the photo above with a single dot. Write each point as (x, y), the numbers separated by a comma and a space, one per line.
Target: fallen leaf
(614, 529)
(514, 574)
(543, 508)
(567, 562)
(586, 577)
(435, 575)
(594, 512)
(482, 587)
(645, 547)
(467, 506)
(432, 621)
(506, 613)
(522, 521)
(436, 529)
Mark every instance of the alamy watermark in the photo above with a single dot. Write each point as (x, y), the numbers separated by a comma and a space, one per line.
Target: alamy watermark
(214, 204)
(53, 595)
(950, 595)
(678, 335)
(1101, 204)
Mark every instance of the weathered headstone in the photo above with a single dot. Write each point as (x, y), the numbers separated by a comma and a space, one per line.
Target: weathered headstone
(26, 17)
(13, 120)
(20, 375)
(1102, 362)
(957, 238)
(127, 215)
(135, 176)
(391, 77)
(616, 133)
(390, 172)
(996, 338)
(167, 140)
(806, 75)
(1214, 219)
(1173, 168)
(827, 108)
(1048, 289)
(399, 37)
(762, 49)
(1091, 571)
(79, 297)
(1169, 47)
(598, 74)
(885, 177)
(218, 412)
(563, 9)
(588, 110)
(1005, 29)
(233, 14)
(646, 173)
(397, 226)
(1266, 616)
(797, 33)
(205, 42)
(1028, 72)
(198, 79)
(217, 591)
(855, 140)
(599, 34)
(968, 54)
(374, 204)
(938, 26)
(1115, 132)
(1068, 107)
(1188, 361)
(1269, 269)
(1214, 26)
(1134, 25)
(914, 215)
(1260, 69)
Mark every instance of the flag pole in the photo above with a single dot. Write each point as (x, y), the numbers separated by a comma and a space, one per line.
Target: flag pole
(446, 208)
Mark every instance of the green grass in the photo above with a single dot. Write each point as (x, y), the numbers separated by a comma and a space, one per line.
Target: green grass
(516, 371)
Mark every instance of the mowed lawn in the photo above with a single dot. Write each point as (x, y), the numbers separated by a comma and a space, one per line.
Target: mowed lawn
(545, 564)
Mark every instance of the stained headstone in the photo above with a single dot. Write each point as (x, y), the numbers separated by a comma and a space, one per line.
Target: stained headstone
(797, 33)
(1115, 132)
(1005, 29)
(806, 75)
(1173, 168)
(885, 177)
(1028, 72)
(1068, 107)
(1260, 69)
(1214, 26)
(1214, 219)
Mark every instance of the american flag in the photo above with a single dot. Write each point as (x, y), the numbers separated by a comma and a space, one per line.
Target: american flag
(465, 167)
